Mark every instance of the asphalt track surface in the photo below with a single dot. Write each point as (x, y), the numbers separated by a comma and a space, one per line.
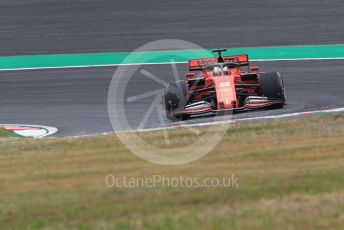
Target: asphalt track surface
(75, 100)
(81, 26)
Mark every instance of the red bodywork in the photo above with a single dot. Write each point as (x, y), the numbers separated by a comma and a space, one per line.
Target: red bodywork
(237, 88)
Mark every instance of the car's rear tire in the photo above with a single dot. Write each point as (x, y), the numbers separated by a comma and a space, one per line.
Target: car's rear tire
(176, 98)
(272, 87)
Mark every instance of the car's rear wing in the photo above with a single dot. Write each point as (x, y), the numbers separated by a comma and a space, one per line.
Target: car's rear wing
(242, 59)
(199, 64)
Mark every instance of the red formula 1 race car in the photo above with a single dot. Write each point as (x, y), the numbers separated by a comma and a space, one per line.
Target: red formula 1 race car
(220, 85)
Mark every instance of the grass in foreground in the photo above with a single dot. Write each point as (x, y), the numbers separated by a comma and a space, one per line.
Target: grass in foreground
(291, 176)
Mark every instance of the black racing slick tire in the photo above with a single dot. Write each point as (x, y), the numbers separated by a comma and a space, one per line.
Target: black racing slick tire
(272, 87)
(176, 98)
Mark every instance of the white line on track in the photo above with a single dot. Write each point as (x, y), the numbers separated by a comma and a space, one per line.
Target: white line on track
(160, 63)
(287, 115)
(269, 117)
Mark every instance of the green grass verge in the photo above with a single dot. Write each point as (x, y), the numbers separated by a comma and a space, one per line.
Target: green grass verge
(291, 176)
(5, 133)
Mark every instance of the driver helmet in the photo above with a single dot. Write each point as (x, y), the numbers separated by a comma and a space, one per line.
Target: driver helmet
(217, 71)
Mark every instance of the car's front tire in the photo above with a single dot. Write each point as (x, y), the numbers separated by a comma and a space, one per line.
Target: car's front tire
(272, 87)
(176, 98)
